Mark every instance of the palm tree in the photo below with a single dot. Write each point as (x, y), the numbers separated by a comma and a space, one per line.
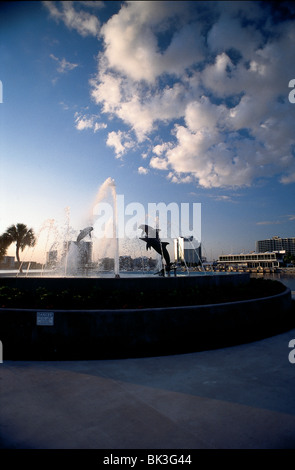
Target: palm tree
(4, 244)
(22, 236)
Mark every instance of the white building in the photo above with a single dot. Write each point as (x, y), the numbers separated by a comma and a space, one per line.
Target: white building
(276, 244)
(187, 250)
(253, 260)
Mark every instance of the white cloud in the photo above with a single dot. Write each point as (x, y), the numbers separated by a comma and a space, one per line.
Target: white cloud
(283, 219)
(120, 141)
(93, 4)
(290, 178)
(99, 125)
(178, 178)
(131, 45)
(83, 123)
(224, 198)
(88, 122)
(159, 163)
(203, 115)
(161, 148)
(142, 171)
(227, 32)
(81, 21)
(114, 140)
(136, 104)
(106, 90)
(269, 222)
(215, 74)
(63, 65)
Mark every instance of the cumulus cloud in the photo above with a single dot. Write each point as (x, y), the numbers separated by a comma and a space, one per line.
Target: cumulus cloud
(212, 77)
(159, 163)
(135, 103)
(131, 41)
(120, 141)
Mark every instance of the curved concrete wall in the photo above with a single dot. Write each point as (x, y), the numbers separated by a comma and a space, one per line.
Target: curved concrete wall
(96, 334)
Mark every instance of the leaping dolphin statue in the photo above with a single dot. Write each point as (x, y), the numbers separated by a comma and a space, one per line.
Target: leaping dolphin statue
(83, 233)
(150, 231)
(152, 240)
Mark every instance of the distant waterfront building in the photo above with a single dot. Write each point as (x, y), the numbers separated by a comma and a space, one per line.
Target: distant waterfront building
(144, 263)
(85, 253)
(276, 244)
(125, 263)
(107, 264)
(51, 258)
(187, 250)
(7, 262)
(78, 254)
(253, 260)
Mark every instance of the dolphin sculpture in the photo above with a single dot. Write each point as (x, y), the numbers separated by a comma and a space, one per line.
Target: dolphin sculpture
(152, 240)
(83, 233)
(150, 231)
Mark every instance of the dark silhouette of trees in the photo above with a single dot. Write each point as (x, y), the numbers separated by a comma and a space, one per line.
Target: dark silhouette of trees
(4, 244)
(21, 235)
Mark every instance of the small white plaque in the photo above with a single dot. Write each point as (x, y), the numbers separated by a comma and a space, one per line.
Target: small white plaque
(45, 318)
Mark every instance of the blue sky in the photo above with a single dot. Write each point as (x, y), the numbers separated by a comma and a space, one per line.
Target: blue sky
(176, 101)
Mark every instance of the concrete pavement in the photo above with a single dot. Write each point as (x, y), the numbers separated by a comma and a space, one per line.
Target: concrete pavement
(238, 397)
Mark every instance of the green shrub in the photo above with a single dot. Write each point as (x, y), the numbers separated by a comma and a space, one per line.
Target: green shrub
(97, 298)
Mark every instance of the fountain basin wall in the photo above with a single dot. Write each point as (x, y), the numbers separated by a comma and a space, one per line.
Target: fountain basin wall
(128, 283)
(95, 334)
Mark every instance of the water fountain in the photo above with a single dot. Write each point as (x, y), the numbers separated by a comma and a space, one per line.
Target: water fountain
(72, 254)
(84, 315)
(109, 186)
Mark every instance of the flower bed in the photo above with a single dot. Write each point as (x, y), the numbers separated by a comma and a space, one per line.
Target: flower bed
(98, 298)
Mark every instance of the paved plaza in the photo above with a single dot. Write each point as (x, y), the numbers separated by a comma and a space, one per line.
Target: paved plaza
(241, 397)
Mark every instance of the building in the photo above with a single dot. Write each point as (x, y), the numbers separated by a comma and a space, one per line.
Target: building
(187, 250)
(253, 260)
(77, 255)
(85, 253)
(144, 263)
(107, 264)
(7, 262)
(51, 258)
(125, 263)
(276, 244)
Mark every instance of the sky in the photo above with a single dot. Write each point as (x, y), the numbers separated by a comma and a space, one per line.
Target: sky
(183, 102)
